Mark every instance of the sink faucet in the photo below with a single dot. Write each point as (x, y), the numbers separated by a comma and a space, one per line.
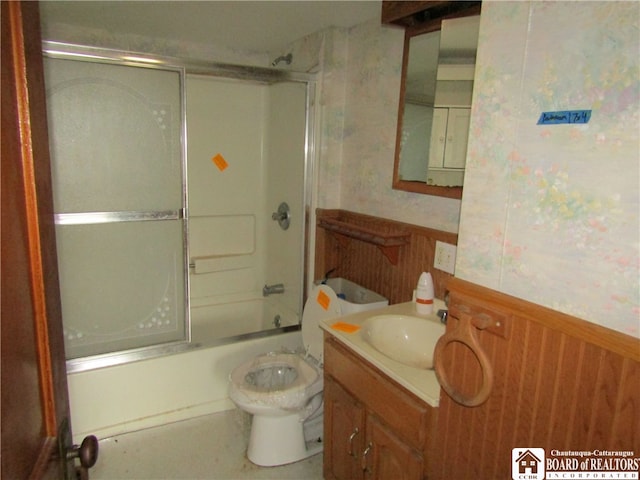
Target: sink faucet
(443, 314)
(271, 289)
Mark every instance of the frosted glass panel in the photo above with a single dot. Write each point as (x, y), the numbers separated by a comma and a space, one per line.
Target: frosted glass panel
(122, 285)
(115, 136)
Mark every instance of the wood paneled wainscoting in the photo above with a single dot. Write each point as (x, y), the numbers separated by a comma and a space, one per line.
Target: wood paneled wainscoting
(380, 254)
(559, 383)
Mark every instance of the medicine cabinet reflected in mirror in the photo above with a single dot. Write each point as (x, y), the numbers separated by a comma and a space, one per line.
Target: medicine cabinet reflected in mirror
(435, 104)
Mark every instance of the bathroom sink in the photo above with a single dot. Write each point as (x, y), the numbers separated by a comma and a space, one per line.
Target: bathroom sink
(403, 338)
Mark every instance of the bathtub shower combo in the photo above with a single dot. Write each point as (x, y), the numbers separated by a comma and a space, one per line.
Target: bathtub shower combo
(177, 257)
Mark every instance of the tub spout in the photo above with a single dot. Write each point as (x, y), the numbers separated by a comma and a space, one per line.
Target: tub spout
(271, 289)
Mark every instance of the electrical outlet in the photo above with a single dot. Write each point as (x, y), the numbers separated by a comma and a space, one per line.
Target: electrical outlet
(445, 257)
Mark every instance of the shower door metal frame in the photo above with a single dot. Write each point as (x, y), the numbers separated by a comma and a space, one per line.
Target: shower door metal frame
(196, 67)
(79, 53)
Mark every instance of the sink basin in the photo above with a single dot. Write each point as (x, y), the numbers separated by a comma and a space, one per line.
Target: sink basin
(403, 338)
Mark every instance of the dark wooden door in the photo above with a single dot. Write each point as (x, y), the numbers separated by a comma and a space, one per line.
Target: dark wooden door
(35, 407)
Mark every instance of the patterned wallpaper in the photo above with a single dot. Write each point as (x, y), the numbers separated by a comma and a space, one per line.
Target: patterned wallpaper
(550, 212)
(368, 116)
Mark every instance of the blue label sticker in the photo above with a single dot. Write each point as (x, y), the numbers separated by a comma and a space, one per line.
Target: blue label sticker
(567, 116)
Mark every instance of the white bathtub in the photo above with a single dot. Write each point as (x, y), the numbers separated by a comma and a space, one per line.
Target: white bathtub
(128, 397)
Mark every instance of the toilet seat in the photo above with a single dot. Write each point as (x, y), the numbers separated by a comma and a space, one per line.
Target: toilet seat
(292, 395)
(322, 304)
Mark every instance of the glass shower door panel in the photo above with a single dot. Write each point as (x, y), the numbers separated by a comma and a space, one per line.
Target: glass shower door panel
(122, 285)
(115, 134)
(116, 149)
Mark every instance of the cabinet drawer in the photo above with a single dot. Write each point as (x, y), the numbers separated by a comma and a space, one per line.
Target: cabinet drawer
(409, 417)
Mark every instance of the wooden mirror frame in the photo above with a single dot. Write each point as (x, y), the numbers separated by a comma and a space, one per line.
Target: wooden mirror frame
(425, 21)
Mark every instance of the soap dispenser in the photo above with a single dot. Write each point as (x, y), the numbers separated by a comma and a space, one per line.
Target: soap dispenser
(424, 294)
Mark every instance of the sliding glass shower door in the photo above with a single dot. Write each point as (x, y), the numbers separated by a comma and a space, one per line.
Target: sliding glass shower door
(117, 156)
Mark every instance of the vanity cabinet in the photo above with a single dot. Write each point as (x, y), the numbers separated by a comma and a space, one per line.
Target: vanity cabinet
(373, 428)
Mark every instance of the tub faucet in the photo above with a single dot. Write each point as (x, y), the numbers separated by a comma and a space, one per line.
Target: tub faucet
(271, 289)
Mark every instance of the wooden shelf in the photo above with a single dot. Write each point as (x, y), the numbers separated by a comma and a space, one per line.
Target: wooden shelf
(389, 243)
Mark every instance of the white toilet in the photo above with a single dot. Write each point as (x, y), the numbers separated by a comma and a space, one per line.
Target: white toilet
(283, 391)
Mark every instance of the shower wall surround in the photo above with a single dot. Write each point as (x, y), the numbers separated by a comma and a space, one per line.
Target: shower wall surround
(223, 220)
(257, 131)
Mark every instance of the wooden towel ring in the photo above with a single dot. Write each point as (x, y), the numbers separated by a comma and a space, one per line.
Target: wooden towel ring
(465, 334)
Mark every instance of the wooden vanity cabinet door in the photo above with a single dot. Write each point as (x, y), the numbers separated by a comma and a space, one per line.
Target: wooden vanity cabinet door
(343, 433)
(390, 457)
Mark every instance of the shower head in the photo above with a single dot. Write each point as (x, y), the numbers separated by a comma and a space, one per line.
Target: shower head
(283, 58)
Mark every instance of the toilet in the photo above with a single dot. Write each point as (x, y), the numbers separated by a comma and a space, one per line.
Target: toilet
(283, 391)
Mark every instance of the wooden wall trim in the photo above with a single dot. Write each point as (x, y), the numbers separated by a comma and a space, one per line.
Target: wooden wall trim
(365, 264)
(589, 332)
(440, 235)
(559, 383)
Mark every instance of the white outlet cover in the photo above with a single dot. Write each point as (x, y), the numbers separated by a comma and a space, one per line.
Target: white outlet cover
(445, 257)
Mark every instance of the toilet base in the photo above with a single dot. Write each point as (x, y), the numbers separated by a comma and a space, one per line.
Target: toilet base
(279, 440)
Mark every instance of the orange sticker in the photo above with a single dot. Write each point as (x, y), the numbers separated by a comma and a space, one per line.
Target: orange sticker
(323, 300)
(345, 327)
(220, 162)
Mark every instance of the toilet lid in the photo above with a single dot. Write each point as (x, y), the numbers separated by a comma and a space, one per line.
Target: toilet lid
(322, 304)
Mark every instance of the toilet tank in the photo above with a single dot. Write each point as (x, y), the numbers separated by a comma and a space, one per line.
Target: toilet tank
(354, 298)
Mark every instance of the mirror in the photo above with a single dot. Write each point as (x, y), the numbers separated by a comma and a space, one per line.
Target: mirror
(435, 105)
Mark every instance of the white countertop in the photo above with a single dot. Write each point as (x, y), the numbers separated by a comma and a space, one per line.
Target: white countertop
(420, 382)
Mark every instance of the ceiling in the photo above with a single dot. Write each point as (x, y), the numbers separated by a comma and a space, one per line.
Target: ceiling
(253, 26)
